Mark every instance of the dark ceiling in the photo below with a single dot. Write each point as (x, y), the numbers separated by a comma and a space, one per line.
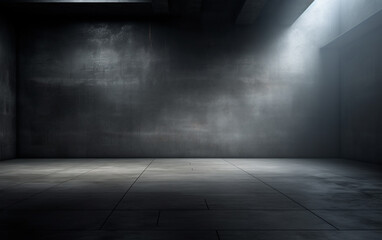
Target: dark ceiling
(214, 12)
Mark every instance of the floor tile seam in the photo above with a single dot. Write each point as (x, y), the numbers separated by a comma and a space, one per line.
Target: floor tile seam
(122, 231)
(213, 209)
(163, 229)
(347, 210)
(217, 234)
(285, 196)
(227, 210)
(157, 223)
(74, 177)
(57, 210)
(120, 200)
(213, 228)
(205, 201)
(300, 230)
(181, 210)
(38, 193)
(23, 182)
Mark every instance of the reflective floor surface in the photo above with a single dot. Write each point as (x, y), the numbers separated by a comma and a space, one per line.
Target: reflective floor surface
(221, 199)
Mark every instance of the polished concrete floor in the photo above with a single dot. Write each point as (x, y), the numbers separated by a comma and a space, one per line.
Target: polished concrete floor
(226, 199)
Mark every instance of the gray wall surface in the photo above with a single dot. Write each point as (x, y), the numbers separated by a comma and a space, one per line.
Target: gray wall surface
(361, 93)
(7, 92)
(135, 89)
(361, 85)
(124, 89)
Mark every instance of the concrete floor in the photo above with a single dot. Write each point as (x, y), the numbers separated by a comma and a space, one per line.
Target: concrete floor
(190, 199)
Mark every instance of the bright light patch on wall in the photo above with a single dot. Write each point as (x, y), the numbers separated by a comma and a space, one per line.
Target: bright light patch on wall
(319, 21)
(302, 41)
(295, 54)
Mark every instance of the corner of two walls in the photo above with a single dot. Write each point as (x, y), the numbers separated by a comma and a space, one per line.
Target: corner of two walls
(7, 90)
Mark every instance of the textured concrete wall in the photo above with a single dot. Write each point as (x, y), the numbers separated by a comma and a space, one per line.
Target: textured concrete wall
(122, 89)
(361, 75)
(7, 92)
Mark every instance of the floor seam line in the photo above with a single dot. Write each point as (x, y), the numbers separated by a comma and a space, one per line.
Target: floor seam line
(38, 193)
(7, 188)
(158, 217)
(120, 200)
(217, 234)
(284, 195)
(205, 200)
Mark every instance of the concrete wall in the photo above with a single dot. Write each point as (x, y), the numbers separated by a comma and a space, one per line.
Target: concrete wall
(123, 89)
(361, 90)
(7, 92)
(361, 113)
(354, 12)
